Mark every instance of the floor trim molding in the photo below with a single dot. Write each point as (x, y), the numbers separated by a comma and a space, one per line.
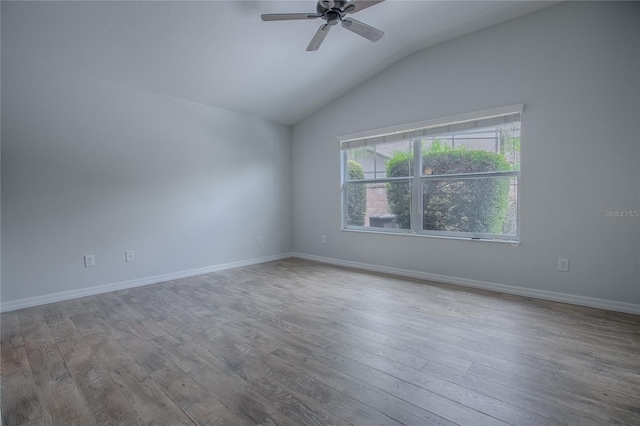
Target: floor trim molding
(610, 305)
(105, 288)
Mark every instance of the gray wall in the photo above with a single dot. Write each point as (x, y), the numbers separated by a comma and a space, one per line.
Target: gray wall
(90, 167)
(576, 68)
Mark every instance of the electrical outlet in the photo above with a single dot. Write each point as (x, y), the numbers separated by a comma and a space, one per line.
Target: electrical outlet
(259, 239)
(563, 265)
(324, 239)
(129, 256)
(89, 261)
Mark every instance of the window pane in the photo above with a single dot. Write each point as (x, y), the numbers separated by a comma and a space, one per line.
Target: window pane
(469, 177)
(475, 151)
(355, 171)
(379, 205)
(374, 160)
(479, 205)
(510, 224)
(394, 159)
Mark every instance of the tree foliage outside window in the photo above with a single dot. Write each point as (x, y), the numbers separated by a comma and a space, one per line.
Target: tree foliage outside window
(356, 196)
(476, 205)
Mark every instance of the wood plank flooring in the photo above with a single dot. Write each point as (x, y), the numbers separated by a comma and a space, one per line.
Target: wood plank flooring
(295, 342)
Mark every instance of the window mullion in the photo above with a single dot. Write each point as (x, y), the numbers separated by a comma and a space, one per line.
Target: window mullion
(382, 180)
(416, 183)
(343, 180)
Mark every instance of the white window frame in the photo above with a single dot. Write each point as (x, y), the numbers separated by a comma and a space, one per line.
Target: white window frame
(415, 131)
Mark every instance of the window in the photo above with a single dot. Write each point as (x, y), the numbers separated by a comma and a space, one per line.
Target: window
(452, 177)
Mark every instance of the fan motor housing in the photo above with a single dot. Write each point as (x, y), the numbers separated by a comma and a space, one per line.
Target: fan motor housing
(322, 11)
(332, 17)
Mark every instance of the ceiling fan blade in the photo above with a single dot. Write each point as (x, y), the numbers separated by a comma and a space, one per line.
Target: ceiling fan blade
(318, 38)
(357, 5)
(362, 29)
(288, 16)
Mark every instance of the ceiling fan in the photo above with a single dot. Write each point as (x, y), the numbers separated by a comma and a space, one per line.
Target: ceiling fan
(333, 11)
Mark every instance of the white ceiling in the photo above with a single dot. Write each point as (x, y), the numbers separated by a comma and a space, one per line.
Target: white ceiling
(221, 53)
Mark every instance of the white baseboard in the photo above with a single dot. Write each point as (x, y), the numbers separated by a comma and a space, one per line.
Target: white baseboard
(105, 288)
(610, 305)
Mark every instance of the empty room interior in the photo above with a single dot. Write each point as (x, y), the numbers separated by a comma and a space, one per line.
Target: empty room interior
(320, 213)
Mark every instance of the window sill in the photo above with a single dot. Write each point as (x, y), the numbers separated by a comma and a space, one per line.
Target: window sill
(445, 237)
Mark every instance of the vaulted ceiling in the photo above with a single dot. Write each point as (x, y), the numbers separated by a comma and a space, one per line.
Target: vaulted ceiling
(220, 53)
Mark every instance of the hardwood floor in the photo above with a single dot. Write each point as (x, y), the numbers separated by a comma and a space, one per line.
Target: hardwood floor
(300, 343)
